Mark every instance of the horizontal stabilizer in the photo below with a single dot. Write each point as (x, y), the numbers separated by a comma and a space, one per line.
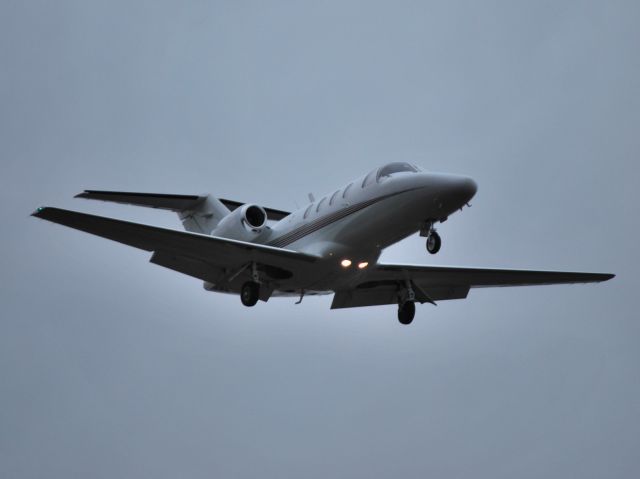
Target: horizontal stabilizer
(177, 203)
(151, 200)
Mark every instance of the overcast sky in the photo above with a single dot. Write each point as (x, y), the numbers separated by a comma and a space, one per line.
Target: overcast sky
(114, 367)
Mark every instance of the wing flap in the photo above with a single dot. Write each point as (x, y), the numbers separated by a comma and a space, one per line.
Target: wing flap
(369, 297)
(376, 295)
(189, 266)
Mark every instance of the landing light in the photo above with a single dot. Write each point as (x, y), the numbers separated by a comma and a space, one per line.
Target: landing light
(363, 265)
(345, 263)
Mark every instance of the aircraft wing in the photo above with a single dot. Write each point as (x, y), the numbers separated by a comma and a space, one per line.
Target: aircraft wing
(206, 257)
(382, 283)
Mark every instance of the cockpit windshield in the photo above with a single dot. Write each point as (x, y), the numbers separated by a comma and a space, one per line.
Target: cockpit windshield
(397, 167)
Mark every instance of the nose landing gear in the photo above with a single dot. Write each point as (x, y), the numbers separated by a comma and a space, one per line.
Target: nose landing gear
(433, 242)
(433, 238)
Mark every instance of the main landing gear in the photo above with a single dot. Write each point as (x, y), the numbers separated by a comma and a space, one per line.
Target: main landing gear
(250, 293)
(406, 304)
(406, 312)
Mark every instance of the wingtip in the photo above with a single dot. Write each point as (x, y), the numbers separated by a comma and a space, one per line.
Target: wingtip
(38, 212)
(82, 194)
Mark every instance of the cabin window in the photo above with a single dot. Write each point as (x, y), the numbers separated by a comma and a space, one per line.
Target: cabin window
(306, 213)
(344, 193)
(397, 167)
(320, 204)
(333, 197)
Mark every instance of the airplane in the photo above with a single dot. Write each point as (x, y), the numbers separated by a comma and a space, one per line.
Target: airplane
(329, 246)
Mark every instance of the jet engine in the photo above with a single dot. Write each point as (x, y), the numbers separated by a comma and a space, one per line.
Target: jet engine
(243, 223)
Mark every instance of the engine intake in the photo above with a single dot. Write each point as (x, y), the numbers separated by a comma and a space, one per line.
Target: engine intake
(254, 216)
(243, 223)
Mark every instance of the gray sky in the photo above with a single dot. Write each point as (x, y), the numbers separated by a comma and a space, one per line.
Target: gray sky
(113, 367)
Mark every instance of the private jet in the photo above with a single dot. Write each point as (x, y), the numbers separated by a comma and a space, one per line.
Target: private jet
(330, 246)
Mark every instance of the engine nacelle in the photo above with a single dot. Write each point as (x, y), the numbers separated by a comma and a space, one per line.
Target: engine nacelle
(243, 223)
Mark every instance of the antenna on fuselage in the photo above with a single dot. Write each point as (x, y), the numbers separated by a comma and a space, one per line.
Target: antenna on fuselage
(312, 198)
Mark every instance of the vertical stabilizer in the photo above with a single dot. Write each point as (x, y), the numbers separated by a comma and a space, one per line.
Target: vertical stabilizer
(204, 217)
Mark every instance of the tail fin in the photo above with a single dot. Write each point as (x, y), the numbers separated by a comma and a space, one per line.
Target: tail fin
(199, 214)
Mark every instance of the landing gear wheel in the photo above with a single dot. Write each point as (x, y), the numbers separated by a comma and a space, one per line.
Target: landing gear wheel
(433, 242)
(250, 293)
(406, 312)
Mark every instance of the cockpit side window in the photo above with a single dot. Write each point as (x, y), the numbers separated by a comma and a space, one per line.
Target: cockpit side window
(320, 203)
(346, 189)
(369, 179)
(398, 167)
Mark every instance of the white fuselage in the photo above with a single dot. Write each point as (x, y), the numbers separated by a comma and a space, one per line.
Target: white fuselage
(358, 221)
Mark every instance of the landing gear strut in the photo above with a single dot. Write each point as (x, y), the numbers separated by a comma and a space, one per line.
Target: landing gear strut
(250, 293)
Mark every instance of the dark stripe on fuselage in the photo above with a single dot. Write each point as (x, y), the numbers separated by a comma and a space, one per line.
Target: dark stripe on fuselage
(313, 226)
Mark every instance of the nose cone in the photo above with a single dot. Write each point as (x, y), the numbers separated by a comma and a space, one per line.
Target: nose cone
(441, 193)
(465, 188)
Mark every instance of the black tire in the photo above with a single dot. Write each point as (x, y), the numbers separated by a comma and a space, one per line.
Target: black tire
(406, 312)
(433, 243)
(250, 293)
